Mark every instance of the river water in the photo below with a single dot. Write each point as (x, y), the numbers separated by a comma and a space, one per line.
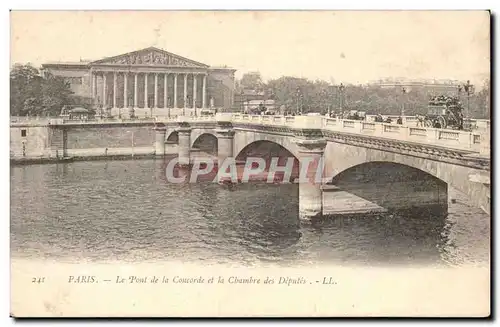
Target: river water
(102, 211)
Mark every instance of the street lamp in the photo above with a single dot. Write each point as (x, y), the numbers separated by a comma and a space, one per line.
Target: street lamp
(245, 104)
(298, 95)
(323, 100)
(403, 104)
(341, 98)
(469, 89)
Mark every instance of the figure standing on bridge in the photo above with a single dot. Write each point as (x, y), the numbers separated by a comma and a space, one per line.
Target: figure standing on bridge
(460, 121)
(420, 120)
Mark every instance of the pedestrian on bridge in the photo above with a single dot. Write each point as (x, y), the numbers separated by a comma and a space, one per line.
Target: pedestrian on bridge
(420, 120)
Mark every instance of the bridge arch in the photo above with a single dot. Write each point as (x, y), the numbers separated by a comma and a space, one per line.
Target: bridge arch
(206, 142)
(394, 186)
(340, 157)
(268, 150)
(244, 139)
(264, 149)
(196, 133)
(172, 137)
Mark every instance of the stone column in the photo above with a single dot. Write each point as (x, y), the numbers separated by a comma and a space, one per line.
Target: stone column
(115, 85)
(136, 105)
(125, 86)
(156, 90)
(145, 90)
(225, 141)
(104, 91)
(194, 92)
(165, 90)
(184, 144)
(160, 132)
(204, 90)
(310, 192)
(93, 86)
(175, 90)
(185, 90)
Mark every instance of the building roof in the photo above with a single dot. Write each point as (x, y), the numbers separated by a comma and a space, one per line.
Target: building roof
(80, 64)
(150, 56)
(79, 110)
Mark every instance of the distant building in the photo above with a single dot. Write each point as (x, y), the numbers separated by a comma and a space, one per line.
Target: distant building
(250, 99)
(147, 78)
(443, 85)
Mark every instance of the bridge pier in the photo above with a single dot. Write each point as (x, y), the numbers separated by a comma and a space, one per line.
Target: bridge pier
(310, 178)
(184, 144)
(225, 143)
(159, 144)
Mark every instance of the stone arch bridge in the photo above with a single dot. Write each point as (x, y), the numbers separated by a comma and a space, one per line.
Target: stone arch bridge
(363, 158)
(395, 166)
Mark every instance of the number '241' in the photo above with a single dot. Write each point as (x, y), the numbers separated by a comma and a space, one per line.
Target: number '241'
(38, 280)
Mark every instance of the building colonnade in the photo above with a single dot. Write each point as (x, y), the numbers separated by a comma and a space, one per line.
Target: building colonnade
(138, 96)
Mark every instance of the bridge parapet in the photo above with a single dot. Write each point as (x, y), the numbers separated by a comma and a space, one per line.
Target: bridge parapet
(455, 139)
(441, 137)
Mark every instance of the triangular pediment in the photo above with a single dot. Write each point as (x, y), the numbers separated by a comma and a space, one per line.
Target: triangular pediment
(150, 56)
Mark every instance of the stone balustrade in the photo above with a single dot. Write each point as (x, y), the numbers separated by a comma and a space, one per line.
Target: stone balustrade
(440, 137)
(455, 139)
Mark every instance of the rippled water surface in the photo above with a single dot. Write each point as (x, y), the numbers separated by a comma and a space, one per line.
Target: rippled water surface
(124, 210)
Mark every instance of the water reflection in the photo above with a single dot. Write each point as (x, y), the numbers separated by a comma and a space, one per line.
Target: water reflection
(124, 210)
(384, 238)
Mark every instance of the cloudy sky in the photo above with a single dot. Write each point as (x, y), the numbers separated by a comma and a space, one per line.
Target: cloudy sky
(341, 46)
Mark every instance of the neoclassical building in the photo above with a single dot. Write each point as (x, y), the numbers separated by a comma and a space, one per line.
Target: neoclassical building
(148, 80)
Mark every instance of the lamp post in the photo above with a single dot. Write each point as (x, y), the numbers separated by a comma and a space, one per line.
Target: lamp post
(245, 104)
(403, 102)
(323, 100)
(332, 100)
(341, 88)
(298, 95)
(469, 89)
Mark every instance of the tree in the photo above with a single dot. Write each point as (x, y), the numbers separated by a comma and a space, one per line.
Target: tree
(480, 102)
(55, 94)
(251, 81)
(31, 94)
(25, 89)
(287, 91)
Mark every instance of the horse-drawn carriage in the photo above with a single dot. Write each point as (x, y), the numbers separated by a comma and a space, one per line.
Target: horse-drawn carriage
(208, 112)
(355, 115)
(444, 112)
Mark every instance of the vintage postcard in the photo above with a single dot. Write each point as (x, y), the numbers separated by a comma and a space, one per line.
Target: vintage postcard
(250, 163)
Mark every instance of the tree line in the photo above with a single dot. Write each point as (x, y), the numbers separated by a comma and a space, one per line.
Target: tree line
(320, 96)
